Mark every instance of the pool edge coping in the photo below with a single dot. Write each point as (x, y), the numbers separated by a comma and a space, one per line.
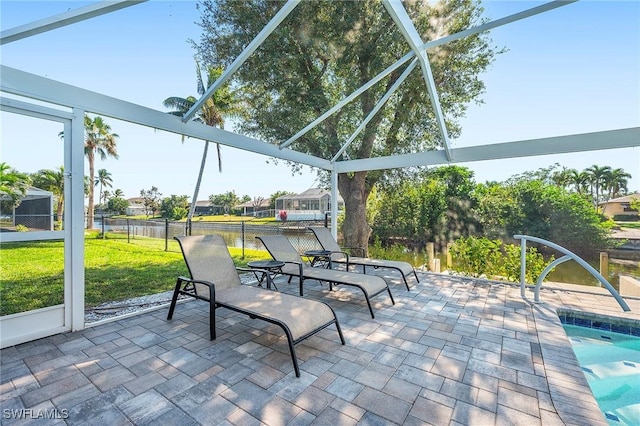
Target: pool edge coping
(569, 390)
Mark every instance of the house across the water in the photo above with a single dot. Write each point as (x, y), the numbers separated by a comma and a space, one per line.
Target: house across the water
(311, 204)
(621, 206)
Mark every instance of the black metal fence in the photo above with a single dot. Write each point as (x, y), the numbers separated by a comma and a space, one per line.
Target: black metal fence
(240, 234)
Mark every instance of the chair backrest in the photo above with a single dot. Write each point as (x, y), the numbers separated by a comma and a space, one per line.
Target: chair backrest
(280, 248)
(208, 259)
(325, 238)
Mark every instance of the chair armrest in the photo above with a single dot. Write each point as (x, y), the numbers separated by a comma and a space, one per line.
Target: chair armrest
(294, 262)
(212, 286)
(344, 253)
(192, 281)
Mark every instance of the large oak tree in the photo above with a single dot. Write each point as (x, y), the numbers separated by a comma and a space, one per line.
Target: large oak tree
(324, 51)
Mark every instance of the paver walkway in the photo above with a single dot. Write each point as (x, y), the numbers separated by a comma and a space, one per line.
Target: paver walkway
(451, 351)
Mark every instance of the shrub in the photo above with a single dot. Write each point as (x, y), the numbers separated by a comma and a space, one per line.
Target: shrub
(534, 260)
(175, 207)
(482, 256)
(626, 218)
(394, 252)
(544, 211)
(21, 228)
(477, 256)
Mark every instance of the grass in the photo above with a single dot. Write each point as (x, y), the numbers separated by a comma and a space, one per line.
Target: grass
(631, 225)
(32, 273)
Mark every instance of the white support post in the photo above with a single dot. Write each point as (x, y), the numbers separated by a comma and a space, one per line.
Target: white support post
(375, 80)
(405, 25)
(376, 108)
(64, 19)
(244, 55)
(523, 266)
(334, 204)
(74, 220)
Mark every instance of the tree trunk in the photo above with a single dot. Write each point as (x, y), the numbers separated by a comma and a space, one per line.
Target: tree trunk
(192, 209)
(60, 210)
(355, 229)
(90, 158)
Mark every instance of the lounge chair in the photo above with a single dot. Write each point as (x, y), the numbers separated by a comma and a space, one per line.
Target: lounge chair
(281, 249)
(214, 278)
(339, 256)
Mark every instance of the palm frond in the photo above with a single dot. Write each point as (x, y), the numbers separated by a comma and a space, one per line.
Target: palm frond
(179, 104)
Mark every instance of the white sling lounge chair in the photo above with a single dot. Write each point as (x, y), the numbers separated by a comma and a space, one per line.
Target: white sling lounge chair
(281, 249)
(327, 242)
(214, 278)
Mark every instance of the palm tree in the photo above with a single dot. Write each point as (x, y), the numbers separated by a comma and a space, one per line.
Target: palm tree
(104, 180)
(13, 183)
(98, 139)
(53, 181)
(223, 103)
(579, 180)
(106, 195)
(597, 178)
(616, 183)
(118, 193)
(562, 178)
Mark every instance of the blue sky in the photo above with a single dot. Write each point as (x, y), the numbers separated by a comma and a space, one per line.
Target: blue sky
(572, 70)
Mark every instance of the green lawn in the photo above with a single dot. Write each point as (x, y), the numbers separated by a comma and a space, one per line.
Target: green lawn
(32, 272)
(630, 225)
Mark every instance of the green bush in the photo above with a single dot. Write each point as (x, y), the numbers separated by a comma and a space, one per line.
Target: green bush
(545, 211)
(175, 207)
(491, 258)
(534, 260)
(626, 218)
(21, 228)
(477, 256)
(395, 251)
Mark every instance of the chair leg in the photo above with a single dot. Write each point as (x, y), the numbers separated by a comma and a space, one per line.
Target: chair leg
(212, 315)
(339, 330)
(369, 304)
(174, 298)
(393, 302)
(294, 358)
(416, 275)
(405, 281)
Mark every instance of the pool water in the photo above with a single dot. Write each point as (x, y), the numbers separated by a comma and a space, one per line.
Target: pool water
(611, 363)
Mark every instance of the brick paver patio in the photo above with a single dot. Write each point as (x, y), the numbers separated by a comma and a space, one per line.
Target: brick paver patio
(451, 351)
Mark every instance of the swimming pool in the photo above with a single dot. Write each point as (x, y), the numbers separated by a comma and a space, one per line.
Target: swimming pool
(611, 363)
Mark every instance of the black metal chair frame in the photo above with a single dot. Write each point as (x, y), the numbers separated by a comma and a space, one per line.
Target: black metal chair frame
(190, 289)
(302, 277)
(349, 261)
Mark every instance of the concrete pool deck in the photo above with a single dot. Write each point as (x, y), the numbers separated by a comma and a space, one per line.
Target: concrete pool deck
(451, 351)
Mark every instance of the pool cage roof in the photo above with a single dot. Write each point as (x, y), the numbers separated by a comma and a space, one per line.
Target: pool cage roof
(37, 87)
(45, 96)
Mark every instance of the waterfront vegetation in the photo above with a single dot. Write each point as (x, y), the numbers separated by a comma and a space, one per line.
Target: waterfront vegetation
(441, 206)
(117, 270)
